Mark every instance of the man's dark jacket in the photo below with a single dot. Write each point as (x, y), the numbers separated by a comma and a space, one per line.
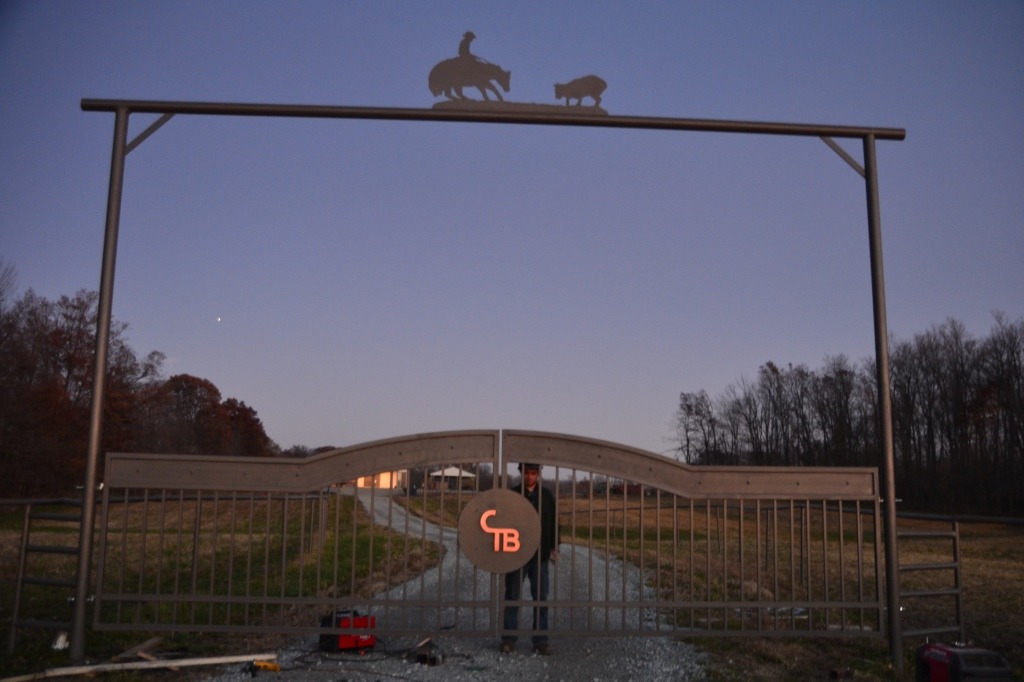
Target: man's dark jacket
(545, 506)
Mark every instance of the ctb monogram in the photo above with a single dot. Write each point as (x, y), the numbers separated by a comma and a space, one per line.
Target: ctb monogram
(505, 539)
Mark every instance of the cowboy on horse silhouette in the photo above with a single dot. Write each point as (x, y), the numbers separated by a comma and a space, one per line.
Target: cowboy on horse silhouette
(451, 75)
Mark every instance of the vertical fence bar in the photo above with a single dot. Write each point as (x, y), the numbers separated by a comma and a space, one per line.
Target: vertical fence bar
(408, 535)
(742, 563)
(625, 553)
(197, 520)
(101, 568)
(759, 567)
(826, 597)
(723, 542)
(842, 567)
(336, 501)
(658, 592)
(303, 547)
(675, 559)
(458, 559)
(553, 583)
(353, 530)
(879, 572)
(161, 552)
(607, 548)
(860, 558)
(958, 583)
(691, 593)
(123, 568)
(593, 537)
(22, 561)
(439, 593)
(775, 557)
(178, 546)
(708, 550)
(573, 482)
(143, 554)
(793, 560)
(249, 558)
(214, 535)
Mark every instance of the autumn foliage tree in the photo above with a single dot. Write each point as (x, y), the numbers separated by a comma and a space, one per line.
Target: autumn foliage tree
(185, 414)
(46, 372)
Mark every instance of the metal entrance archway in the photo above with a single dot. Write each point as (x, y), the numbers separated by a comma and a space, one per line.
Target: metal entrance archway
(121, 147)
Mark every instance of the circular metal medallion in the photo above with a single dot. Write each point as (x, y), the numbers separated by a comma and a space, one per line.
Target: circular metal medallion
(499, 531)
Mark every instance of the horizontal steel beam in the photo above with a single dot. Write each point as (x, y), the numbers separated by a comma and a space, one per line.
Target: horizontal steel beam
(491, 114)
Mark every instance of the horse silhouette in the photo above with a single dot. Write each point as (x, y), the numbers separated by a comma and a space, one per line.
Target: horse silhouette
(451, 75)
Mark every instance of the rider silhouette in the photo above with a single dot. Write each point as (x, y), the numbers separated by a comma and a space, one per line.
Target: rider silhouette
(464, 52)
(467, 38)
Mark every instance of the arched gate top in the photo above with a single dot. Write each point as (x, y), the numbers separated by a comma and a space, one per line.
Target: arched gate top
(500, 448)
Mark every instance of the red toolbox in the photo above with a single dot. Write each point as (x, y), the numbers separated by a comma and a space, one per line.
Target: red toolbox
(953, 663)
(348, 620)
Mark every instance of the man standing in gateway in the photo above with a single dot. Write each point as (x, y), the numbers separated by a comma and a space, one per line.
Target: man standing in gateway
(536, 569)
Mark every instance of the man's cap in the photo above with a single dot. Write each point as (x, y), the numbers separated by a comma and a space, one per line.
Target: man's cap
(529, 466)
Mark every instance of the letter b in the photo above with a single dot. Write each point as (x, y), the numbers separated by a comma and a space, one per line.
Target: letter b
(511, 540)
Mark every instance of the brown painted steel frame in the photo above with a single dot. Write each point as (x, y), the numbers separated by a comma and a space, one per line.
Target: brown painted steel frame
(123, 108)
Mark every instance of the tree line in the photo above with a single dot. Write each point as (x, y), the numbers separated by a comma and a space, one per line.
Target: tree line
(958, 418)
(46, 375)
(958, 410)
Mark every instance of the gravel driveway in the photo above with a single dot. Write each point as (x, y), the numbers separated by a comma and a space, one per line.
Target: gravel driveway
(461, 658)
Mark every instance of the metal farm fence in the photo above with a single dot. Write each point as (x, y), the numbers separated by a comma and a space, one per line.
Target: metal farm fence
(649, 546)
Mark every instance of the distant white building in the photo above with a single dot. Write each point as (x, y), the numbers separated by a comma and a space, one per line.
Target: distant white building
(453, 478)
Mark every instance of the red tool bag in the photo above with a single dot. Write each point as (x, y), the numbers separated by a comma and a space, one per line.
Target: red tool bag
(951, 663)
(347, 619)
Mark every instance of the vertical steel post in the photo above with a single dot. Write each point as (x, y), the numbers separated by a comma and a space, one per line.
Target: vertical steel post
(887, 465)
(103, 316)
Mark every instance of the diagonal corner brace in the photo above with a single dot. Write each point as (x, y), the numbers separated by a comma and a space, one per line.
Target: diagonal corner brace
(844, 155)
(147, 132)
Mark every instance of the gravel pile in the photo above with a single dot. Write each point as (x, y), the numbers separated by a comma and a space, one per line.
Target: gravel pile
(580, 660)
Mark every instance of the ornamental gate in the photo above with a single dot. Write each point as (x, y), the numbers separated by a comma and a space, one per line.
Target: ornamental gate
(648, 546)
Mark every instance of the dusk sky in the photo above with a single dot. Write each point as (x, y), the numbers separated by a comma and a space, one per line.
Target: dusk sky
(356, 280)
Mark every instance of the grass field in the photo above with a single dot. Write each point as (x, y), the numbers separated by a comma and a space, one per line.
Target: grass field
(993, 602)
